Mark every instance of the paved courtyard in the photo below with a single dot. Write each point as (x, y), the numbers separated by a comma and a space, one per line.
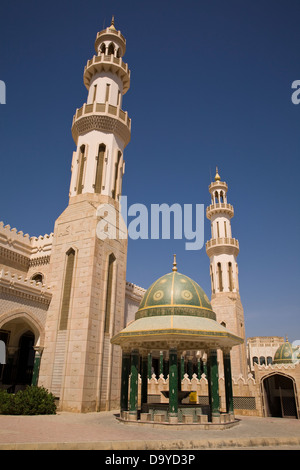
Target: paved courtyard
(104, 432)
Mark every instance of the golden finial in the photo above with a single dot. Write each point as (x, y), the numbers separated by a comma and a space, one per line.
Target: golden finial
(112, 26)
(217, 177)
(174, 264)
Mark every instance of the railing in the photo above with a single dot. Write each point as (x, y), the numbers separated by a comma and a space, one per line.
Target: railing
(107, 59)
(103, 108)
(222, 241)
(220, 205)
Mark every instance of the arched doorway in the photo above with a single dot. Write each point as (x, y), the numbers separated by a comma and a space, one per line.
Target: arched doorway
(22, 335)
(279, 395)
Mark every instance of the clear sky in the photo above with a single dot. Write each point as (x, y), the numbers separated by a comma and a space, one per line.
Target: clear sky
(210, 85)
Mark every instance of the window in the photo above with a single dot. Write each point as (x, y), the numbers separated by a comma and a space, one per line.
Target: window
(230, 277)
(95, 93)
(111, 49)
(220, 277)
(81, 168)
(255, 360)
(114, 191)
(67, 290)
(37, 277)
(111, 262)
(99, 168)
(262, 360)
(107, 92)
(102, 48)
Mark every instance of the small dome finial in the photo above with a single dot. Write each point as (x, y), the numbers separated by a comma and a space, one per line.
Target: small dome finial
(112, 26)
(217, 177)
(174, 264)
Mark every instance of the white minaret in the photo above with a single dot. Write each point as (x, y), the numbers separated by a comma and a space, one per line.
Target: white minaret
(87, 274)
(101, 129)
(222, 250)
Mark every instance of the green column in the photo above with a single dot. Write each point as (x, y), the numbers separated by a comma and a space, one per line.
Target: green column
(134, 382)
(149, 366)
(36, 365)
(173, 383)
(214, 383)
(190, 367)
(144, 394)
(199, 373)
(125, 381)
(204, 362)
(228, 382)
(182, 367)
(161, 362)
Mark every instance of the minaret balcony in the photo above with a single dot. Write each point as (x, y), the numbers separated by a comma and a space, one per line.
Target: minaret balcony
(103, 117)
(218, 208)
(224, 245)
(107, 63)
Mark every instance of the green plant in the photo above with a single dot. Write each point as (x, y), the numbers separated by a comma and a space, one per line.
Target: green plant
(31, 401)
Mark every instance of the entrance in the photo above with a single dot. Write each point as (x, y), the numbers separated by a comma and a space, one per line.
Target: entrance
(279, 396)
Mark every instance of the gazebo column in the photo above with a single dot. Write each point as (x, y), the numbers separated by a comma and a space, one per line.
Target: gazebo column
(213, 379)
(125, 380)
(144, 392)
(134, 384)
(173, 385)
(161, 363)
(204, 364)
(149, 365)
(36, 365)
(166, 364)
(190, 366)
(228, 381)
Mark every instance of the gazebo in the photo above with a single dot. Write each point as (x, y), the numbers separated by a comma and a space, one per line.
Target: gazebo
(175, 315)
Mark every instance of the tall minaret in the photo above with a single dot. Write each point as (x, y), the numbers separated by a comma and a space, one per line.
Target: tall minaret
(222, 250)
(87, 272)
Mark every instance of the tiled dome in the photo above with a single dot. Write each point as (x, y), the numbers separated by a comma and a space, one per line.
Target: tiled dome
(175, 294)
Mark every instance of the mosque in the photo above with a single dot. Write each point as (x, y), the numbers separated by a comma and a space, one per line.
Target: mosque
(73, 324)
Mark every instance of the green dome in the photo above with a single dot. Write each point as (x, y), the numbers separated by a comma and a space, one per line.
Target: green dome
(175, 294)
(286, 354)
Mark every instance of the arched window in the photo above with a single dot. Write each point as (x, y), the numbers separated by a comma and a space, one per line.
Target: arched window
(102, 48)
(262, 360)
(230, 277)
(111, 49)
(221, 197)
(216, 197)
(220, 277)
(81, 168)
(269, 360)
(65, 306)
(114, 191)
(255, 360)
(223, 324)
(99, 168)
(38, 277)
(110, 273)
(212, 279)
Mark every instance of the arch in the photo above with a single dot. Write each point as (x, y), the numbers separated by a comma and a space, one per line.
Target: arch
(29, 319)
(38, 277)
(216, 197)
(102, 48)
(111, 49)
(99, 168)
(279, 395)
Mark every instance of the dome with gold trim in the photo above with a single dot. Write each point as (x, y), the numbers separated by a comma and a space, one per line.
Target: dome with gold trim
(175, 310)
(286, 354)
(175, 294)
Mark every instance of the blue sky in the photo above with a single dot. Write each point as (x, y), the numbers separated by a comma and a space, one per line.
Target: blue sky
(210, 85)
